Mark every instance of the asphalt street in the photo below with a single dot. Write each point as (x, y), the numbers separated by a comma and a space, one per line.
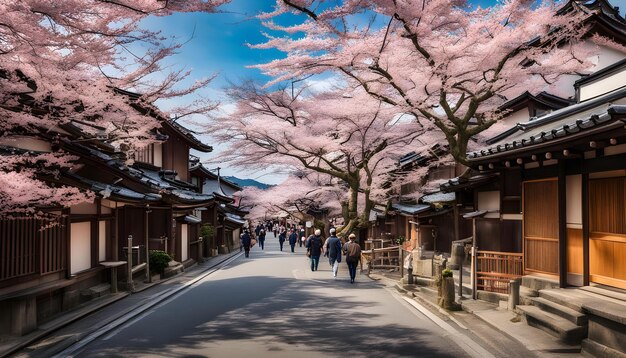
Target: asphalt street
(272, 305)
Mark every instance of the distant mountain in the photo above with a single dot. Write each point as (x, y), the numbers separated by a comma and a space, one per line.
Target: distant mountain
(248, 182)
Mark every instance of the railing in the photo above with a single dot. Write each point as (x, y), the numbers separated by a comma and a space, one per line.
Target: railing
(496, 269)
(385, 258)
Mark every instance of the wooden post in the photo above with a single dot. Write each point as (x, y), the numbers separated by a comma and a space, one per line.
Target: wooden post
(147, 242)
(401, 260)
(473, 267)
(585, 214)
(129, 264)
(562, 202)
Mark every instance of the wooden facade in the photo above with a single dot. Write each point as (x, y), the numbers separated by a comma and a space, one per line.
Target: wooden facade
(49, 264)
(563, 179)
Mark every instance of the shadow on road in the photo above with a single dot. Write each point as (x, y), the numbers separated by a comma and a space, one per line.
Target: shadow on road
(277, 312)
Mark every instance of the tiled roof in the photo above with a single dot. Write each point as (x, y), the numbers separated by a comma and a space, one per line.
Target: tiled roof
(559, 125)
(410, 209)
(472, 181)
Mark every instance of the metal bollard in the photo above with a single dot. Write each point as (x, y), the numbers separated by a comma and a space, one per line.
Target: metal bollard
(514, 293)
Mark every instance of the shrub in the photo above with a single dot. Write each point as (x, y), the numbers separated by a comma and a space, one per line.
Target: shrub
(207, 231)
(446, 273)
(159, 260)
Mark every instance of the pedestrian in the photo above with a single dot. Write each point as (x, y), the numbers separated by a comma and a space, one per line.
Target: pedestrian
(240, 243)
(314, 248)
(246, 240)
(262, 239)
(302, 236)
(281, 239)
(333, 251)
(293, 239)
(258, 229)
(352, 251)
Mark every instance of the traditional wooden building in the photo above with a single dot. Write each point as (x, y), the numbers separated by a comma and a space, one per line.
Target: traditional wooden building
(561, 182)
(54, 263)
(224, 215)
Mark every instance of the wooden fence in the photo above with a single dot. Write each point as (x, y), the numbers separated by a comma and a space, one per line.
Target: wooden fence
(383, 258)
(496, 269)
(31, 246)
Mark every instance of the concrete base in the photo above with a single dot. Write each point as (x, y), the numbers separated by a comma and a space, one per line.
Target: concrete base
(596, 350)
(607, 333)
(18, 317)
(71, 299)
(537, 283)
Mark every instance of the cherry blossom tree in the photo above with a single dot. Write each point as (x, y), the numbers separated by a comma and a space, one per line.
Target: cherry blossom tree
(67, 60)
(440, 60)
(295, 197)
(341, 133)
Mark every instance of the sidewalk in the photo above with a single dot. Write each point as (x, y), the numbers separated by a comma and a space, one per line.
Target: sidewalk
(499, 318)
(69, 327)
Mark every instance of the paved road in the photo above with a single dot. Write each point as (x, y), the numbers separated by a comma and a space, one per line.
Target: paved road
(271, 304)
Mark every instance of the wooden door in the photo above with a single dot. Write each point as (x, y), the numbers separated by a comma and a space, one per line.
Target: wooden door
(607, 226)
(541, 227)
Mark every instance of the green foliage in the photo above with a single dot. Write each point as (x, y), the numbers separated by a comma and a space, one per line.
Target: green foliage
(319, 224)
(400, 240)
(159, 260)
(446, 273)
(207, 231)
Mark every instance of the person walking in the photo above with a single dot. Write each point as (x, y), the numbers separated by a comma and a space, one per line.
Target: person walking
(333, 249)
(302, 236)
(314, 248)
(293, 239)
(261, 237)
(246, 240)
(281, 239)
(352, 251)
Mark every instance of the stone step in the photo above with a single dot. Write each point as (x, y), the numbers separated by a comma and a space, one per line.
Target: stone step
(173, 269)
(97, 291)
(566, 297)
(557, 326)
(579, 319)
(539, 283)
(614, 294)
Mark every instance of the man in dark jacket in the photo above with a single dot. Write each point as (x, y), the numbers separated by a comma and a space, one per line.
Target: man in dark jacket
(333, 248)
(261, 237)
(314, 246)
(246, 240)
(293, 239)
(281, 239)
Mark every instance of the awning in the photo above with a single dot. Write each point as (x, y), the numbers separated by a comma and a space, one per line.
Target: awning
(192, 219)
(410, 209)
(378, 212)
(475, 214)
(438, 197)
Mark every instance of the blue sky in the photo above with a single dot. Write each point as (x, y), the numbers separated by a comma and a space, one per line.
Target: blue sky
(216, 43)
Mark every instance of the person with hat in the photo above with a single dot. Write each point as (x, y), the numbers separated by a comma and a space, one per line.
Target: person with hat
(352, 251)
(333, 248)
(314, 248)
